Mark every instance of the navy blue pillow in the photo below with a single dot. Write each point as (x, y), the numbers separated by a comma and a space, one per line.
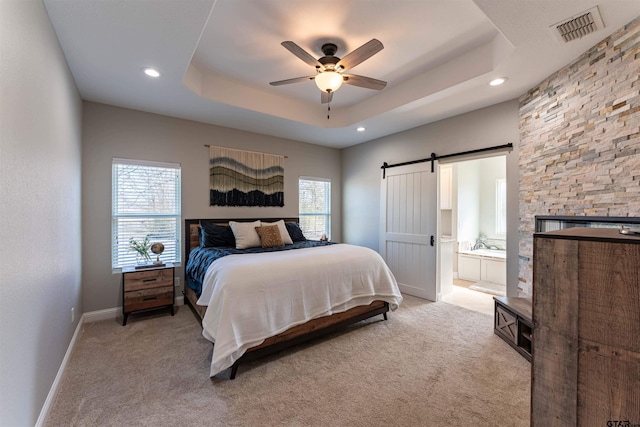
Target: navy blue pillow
(213, 235)
(295, 232)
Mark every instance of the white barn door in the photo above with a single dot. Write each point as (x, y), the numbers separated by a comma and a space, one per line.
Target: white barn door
(408, 217)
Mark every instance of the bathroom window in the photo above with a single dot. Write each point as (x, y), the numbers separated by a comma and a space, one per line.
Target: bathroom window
(501, 206)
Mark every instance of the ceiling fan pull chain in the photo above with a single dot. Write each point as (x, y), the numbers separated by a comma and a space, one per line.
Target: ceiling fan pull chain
(328, 110)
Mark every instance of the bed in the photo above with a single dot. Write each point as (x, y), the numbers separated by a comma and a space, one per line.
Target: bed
(253, 301)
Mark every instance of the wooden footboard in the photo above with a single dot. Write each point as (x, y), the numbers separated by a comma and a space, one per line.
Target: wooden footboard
(300, 333)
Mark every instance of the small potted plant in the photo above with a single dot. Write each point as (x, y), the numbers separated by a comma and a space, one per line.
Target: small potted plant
(142, 248)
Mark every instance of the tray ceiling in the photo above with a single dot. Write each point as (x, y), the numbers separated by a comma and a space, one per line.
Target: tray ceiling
(218, 57)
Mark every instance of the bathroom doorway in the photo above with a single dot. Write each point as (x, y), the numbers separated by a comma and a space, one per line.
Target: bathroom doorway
(473, 232)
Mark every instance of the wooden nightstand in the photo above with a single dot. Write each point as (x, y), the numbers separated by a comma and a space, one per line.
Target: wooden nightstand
(148, 288)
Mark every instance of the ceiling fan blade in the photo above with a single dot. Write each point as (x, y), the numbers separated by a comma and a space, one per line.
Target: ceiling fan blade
(361, 81)
(301, 53)
(362, 53)
(294, 80)
(326, 97)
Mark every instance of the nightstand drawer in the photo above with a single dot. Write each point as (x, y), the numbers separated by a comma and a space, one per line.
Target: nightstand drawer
(148, 298)
(138, 280)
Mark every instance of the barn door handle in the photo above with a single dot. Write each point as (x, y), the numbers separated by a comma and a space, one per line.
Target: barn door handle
(432, 241)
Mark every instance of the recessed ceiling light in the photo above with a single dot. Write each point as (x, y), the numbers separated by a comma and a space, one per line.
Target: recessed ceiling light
(498, 81)
(151, 72)
(360, 129)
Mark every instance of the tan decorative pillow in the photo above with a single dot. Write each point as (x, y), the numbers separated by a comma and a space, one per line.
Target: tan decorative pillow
(286, 238)
(270, 236)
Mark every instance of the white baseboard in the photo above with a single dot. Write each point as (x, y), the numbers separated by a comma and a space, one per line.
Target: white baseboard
(46, 408)
(412, 290)
(112, 313)
(92, 316)
(99, 315)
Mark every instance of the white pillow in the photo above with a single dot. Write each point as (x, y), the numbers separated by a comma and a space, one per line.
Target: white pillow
(284, 234)
(246, 234)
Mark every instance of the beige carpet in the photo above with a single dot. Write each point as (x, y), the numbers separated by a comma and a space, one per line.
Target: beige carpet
(430, 364)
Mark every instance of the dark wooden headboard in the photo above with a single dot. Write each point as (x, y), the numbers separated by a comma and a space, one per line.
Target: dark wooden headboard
(191, 226)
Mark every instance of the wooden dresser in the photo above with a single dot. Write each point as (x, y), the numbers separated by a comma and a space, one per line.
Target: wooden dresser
(147, 288)
(586, 317)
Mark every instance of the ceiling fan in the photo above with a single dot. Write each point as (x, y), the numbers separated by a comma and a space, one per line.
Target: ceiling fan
(330, 69)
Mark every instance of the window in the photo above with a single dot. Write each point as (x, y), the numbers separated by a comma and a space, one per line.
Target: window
(146, 202)
(315, 207)
(501, 206)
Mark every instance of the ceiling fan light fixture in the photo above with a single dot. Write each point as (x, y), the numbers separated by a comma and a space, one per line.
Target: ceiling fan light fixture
(328, 81)
(328, 69)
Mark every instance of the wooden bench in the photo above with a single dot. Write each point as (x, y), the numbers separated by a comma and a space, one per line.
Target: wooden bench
(513, 323)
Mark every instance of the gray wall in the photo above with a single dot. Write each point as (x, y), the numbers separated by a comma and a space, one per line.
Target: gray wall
(361, 174)
(118, 132)
(40, 117)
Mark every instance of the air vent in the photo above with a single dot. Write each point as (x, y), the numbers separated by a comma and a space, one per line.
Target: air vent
(578, 26)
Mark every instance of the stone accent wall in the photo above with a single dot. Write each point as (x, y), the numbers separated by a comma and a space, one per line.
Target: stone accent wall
(580, 140)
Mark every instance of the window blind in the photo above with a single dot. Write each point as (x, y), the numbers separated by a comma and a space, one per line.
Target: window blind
(315, 207)
(145, 202)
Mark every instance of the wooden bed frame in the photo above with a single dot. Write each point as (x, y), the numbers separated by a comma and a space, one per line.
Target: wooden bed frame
(293, 336)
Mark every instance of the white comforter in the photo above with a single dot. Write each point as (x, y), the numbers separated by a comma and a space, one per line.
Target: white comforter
(254, 296)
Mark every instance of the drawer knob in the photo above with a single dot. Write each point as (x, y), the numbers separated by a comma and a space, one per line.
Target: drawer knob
(150, 280)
